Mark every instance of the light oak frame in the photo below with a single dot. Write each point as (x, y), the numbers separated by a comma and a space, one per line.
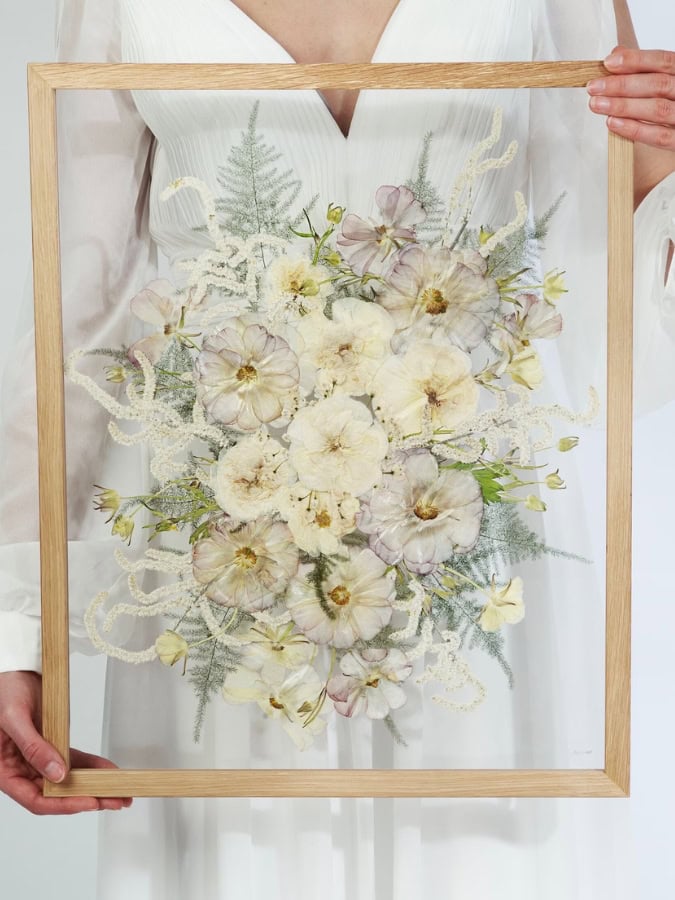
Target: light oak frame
(44, 79)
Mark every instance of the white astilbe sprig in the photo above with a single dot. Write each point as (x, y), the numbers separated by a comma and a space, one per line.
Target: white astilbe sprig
(511, 422)
(475, 167)
(157, 560)
(217, 267)
(510, 228)
(453, 673)
(165, 431)
(413, 606)
(129, 656)
(216, 629)
(268, 618)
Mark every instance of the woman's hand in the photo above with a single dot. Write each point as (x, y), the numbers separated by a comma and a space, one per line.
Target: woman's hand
(25, 757)
(639, 96)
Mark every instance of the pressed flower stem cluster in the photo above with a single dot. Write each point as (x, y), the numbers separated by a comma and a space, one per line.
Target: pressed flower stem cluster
(312, 401)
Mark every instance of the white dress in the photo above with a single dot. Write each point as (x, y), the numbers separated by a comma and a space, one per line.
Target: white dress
(112, 224)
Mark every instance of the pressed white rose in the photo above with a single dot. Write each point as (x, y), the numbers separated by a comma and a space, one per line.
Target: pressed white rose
(370, 682)
(424, 515)
(271, 649)
(292, 284)
(430, 379)
(318, 519)
(358, 593)
(505, 604)
(287, 697)
(335, 442)
(244, 374)
(432, 290)
(247, 567)
(250, 476)
(347, 350)
(525, 368)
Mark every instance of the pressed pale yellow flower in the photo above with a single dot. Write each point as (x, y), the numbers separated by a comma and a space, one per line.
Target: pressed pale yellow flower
(534, 503)
(108, 499)
(554, 286)
(554, 481)
(505, 605)
(525, 368)
(171, 647)
(567, 443)
(124, 526)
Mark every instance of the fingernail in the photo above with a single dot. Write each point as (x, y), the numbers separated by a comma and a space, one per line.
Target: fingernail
(54, 771)
(616, 122)
(600, 103)
(597, 86)
(614, 59)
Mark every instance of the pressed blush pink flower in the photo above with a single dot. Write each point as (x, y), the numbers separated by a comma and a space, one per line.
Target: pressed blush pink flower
(370, 682)
(243, 375)
(423, 516)
(157, 304)
(368, 243)
(441, 290)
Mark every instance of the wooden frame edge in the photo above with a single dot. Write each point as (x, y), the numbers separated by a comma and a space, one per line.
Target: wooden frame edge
(612, 781)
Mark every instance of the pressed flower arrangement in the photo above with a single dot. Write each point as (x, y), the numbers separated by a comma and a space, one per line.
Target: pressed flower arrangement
(341, 423)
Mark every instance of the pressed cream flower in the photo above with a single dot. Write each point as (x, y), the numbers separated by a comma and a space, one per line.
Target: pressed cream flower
(249, 477)
(247, 567)
(282, 696)
(355, 600)
(336, 442)
(292, 282)
(346, 350)
(444, 291)
(525, 368)
(430, 379)
(505, 604)
(270, 649)
(318, 519)
(423, 516)
(157, 304)
(244, 375)
(369, 682)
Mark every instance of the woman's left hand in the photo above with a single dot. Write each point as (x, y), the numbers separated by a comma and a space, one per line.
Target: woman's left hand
(639, 96)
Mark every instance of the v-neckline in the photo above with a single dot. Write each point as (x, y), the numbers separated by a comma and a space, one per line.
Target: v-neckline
(390, 23)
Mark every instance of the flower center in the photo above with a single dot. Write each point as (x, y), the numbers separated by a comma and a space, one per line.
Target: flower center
(247, 373)
(344, 348)
(373, 682)
(340, 595)
(322, 519)
(432, 396)
(434, 302)
(275, 703)
(425, 511)
(245, 558)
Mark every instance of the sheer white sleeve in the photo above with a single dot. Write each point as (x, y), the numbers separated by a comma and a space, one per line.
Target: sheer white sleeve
(568, 152)
(106, 255)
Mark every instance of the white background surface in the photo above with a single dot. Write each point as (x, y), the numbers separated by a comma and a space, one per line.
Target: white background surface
(55, 856)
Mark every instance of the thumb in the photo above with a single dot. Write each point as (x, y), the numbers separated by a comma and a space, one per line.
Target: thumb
(34, 748)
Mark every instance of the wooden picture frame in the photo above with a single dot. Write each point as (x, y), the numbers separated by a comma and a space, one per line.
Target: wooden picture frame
(612, 780)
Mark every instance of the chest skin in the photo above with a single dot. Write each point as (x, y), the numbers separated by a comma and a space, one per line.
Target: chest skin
(316, 31)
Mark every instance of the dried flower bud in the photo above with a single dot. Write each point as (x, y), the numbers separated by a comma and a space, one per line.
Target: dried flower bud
(335, 214)
(554, 481)
(115, 373)
(534, 503)
(554, 287)
(124, 526)
(108, 499)
(567, 443)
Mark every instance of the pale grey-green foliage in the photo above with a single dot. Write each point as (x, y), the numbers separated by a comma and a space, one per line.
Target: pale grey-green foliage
(427, 194)
(257, 198)
(504, 540)
(208, 664)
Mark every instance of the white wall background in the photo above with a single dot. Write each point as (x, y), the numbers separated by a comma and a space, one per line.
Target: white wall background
(55, 856)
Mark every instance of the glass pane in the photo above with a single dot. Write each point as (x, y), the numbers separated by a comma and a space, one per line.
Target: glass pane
(368, 463)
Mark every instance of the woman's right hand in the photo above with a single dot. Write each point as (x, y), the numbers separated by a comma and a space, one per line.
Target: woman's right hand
(26, 757)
